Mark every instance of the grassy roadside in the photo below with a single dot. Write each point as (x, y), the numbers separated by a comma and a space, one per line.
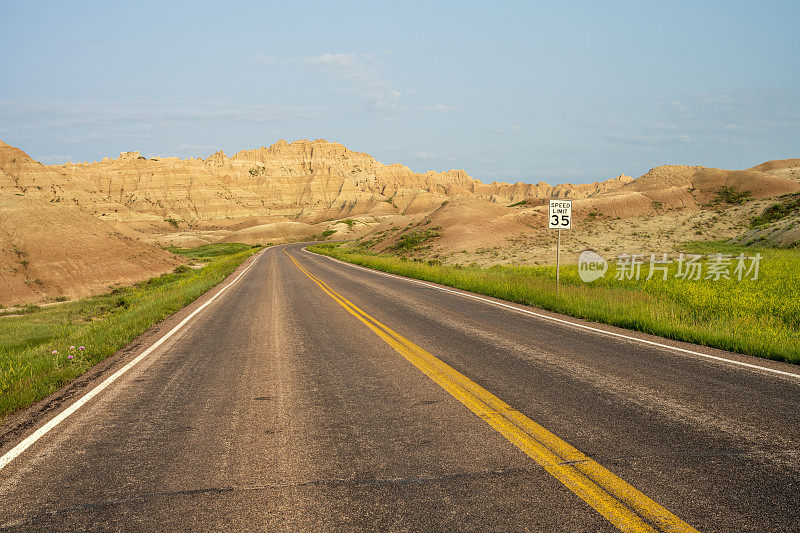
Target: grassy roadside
(29, 370)
(758, 317)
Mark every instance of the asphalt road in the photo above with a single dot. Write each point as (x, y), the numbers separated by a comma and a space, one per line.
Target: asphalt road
(329, 397)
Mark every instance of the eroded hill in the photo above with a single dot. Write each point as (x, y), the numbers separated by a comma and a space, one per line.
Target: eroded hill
(49, 247)
(75, 228)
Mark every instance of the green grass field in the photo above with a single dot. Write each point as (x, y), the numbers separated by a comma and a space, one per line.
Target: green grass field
(758, 317)
(103, 324)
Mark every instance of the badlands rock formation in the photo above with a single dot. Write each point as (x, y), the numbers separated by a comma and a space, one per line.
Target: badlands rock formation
(680, 187)
(669, 205)
(74, 229)
(304, 181)
(49, 247)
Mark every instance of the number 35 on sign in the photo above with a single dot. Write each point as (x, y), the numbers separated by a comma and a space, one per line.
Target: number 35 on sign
(560, 214)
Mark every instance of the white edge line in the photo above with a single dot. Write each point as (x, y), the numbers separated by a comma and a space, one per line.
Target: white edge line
(567, 322)
(17, 450)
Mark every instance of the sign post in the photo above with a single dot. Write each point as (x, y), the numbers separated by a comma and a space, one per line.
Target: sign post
(559, 216)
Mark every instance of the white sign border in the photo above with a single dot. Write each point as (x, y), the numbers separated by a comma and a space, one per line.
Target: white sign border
(550, 214)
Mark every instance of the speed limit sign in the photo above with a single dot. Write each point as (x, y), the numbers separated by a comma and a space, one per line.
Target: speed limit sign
(560, 214)
(559, 217)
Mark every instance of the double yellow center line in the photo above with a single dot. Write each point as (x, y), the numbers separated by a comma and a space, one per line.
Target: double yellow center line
(619, 502)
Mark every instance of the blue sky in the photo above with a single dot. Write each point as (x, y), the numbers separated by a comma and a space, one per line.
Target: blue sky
(513, 91)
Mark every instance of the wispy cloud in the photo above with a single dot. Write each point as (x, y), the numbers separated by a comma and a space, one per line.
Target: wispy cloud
(363, 74)
(702, 123)
(93, 120)
(513, 128)
(360, 73)
(197, 148)
(90, 129)
(424, 155)
(439, 108)
(732, 111)
(54, 159)
(265, 59)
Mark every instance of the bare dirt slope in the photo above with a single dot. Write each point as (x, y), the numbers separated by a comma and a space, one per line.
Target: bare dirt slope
(655, 213)
(53, 249)
(272, 232)
(787, 168)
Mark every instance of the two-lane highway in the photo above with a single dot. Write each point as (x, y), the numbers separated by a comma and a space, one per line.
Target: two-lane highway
(315, 395)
